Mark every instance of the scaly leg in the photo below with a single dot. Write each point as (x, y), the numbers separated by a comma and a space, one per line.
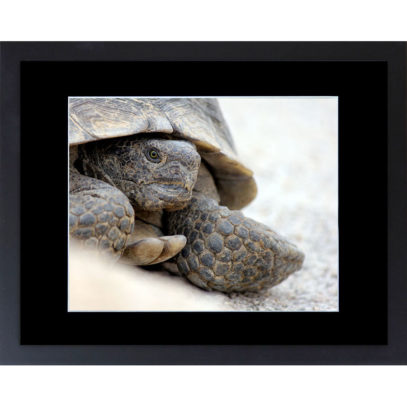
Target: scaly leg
(99, 214)
(228, 252)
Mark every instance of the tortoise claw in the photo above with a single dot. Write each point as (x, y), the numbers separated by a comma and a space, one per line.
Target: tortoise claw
(172, 246)
(153, 250)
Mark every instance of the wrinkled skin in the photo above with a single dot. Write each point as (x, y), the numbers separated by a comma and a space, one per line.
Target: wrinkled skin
(154, 174)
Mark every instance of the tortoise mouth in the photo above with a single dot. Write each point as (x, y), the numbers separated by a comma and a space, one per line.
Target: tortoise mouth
(171, 188)
(172, 196)
(158, 195)
(164, 185)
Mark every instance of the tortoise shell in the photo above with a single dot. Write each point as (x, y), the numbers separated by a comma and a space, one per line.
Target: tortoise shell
(198, 120)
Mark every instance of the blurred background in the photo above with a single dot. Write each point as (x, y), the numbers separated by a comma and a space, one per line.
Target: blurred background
(291, 144)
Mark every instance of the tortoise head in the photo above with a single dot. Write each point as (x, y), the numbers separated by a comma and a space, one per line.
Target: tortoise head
(153, 172)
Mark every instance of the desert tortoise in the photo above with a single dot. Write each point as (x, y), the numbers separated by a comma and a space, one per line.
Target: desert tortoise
(150, 175)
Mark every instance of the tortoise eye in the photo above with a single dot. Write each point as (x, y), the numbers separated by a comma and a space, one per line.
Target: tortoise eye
(153, 155)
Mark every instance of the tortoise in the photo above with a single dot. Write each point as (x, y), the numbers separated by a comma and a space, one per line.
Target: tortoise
(158, 180)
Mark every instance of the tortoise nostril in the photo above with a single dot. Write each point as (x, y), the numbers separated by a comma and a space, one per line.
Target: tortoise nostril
(193, 160)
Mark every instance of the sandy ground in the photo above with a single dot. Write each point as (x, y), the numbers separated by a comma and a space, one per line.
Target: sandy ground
(291, 145)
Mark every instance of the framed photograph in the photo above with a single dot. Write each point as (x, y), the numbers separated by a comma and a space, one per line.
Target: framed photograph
(203, 203)
(210, 242)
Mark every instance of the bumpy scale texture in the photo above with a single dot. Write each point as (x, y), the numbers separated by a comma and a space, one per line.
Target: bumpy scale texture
(228, 252)
(100, 216)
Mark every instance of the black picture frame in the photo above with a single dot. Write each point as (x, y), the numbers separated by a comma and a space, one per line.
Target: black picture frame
(370, 80)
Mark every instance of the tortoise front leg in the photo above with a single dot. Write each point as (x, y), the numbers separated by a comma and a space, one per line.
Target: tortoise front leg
(228, 252)
(100, 216)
